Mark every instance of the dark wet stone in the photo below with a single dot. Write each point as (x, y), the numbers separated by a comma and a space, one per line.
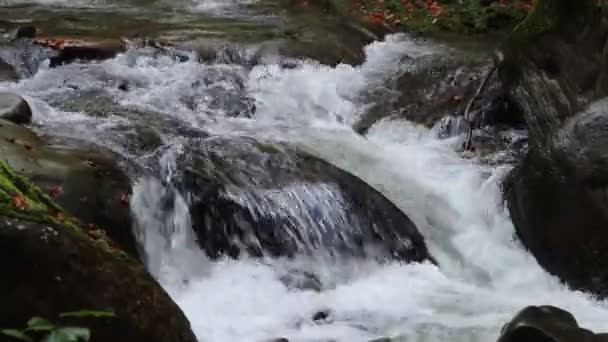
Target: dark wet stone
(51, 269)
(86, 51)
(14, 109)
(123, 85)
(545, 324)
(7, 72)
(322, 315)
(23, 32)
(149, 138)
(558, 203)
(260, 198)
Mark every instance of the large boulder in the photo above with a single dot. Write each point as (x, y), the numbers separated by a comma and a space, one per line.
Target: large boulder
(50, 265)
(262, 198)
(85, 180)
(14, 108)
(546, 324)
(557, 199)
(554, 68)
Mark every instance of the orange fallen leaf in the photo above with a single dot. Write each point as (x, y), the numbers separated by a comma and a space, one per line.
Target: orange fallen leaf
(19, 201)
(27, 147)
(60, 216)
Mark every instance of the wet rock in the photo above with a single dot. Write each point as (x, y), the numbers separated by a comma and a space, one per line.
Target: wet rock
(149, 138)
(15, 109)
(23, 32)
(7, 72)
(323, 37)
(86, 181)
(557, 196)
(322, 315)
(210, 94)
(24, 56)
(437, 85)
(259, 198)
(301, 280)
(558, 203)
(71, 50)
(546, 324)
(49, 269)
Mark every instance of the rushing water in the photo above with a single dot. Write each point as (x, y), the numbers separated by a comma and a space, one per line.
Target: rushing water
(484, 278)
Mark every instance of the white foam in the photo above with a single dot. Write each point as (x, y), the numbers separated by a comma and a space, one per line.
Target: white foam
(485, 275)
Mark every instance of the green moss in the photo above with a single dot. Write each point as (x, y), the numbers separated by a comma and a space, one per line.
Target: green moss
(543, 17)
(40, 208)
(547, 16)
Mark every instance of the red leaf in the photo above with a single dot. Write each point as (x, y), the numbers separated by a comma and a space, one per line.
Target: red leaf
(27, 147)
(55, 191)
(124, 199)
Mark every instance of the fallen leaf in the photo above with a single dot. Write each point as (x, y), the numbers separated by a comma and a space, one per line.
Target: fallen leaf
(19, 202)
(27, 147)
(55, 191)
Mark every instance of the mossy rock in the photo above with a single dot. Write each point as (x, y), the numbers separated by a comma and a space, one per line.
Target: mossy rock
(85, 181)
(50, 269)
(50, 266)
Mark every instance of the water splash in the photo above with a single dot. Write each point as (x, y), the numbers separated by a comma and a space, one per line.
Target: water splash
(485, 276)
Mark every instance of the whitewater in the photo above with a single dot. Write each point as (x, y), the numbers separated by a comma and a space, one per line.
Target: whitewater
(484, 275)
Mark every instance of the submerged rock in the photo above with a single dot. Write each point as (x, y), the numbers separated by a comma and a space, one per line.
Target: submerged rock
(301, 280)
(7, 72)
(260, 198)
(15, 109)
(546, 324)
(85, 181)
(322, 316)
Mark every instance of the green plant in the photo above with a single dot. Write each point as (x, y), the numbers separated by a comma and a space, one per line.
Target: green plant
(40, 329)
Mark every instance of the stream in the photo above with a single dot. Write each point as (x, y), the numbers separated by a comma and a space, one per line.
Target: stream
(484, 277)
